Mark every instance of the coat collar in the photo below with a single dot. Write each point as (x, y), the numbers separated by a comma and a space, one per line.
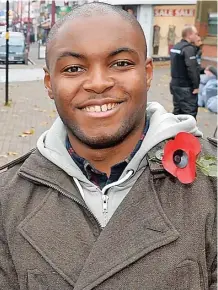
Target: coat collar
(40, 170)
(59, 231)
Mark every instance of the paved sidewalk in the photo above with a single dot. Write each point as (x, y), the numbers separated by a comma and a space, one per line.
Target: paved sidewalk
(32, 112)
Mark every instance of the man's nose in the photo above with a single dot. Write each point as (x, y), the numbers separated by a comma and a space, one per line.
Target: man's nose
(98, 81)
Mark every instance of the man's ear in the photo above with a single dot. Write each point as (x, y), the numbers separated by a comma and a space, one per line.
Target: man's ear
(47, 82)
(149, 72)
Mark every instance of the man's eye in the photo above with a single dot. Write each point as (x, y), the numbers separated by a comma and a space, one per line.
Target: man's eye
(74, 69)
(122, 63)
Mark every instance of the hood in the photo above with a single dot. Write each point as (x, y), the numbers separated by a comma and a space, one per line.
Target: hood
(205, 78)
(163, 125)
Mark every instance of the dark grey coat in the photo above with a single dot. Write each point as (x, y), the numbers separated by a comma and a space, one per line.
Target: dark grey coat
(161, 237)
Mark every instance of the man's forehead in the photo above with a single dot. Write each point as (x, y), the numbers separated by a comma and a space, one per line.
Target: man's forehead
(99, 28)
(97, 33)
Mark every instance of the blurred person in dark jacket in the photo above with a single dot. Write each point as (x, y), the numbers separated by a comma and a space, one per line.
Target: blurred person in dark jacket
(185, 73)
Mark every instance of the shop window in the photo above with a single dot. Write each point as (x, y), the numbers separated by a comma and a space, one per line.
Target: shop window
(212, 24)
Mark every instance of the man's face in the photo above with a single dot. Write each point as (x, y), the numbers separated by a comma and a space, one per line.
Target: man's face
(98, 78)
(193, 36)
(208, 72)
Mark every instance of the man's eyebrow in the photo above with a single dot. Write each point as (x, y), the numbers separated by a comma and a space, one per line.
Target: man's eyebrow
(71, 54)
(122, 49)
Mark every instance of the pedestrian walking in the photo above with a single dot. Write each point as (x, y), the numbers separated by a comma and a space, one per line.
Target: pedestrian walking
(185, 74)
(97, 205)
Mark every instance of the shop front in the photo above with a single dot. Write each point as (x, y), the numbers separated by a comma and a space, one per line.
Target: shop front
(162, 21)
(168, 23)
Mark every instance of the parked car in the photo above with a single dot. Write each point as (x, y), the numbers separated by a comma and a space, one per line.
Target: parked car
(18, 52)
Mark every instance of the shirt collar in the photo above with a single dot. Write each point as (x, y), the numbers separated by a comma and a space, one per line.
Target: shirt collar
(89, 171)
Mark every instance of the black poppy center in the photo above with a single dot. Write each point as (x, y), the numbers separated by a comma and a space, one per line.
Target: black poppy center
(180, 158)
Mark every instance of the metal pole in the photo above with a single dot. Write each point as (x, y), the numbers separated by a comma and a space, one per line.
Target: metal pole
(28, 27)
(7, 53)
(21, 16)
(53, 11)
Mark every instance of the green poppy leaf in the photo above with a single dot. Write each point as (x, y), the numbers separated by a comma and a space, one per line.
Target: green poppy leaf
(207, 161)
(208, 165)
(213, 171)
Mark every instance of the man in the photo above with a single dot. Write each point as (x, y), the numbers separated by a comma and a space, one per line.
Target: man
(185, 74)
(199, 45)
(92, 207)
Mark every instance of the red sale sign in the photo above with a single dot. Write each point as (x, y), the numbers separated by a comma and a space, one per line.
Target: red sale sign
(174, 12)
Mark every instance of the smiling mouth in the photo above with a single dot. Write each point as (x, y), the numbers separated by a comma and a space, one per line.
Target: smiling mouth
(103, 108)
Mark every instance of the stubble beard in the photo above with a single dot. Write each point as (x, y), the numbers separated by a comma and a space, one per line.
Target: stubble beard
(126, 128)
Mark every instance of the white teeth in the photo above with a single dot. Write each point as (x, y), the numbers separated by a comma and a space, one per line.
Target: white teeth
(92, 109)
(97, 109)
(103, 108)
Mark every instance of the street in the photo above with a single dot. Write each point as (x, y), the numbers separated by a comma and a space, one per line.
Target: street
(21, 73)
(31, 112)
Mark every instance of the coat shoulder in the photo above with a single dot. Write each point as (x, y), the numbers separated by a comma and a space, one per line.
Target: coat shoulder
(209, 146)
(9, 171)
(209, 149)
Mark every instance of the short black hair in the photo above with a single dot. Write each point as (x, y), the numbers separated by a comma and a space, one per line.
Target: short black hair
(88, 10)
(187, 29)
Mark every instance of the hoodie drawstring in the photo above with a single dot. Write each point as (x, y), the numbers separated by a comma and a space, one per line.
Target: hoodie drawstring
(118, 182)
(79, 187)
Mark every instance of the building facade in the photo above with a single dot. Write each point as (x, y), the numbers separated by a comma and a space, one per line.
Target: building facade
(206, 23)
(168, 22)
(161, 20)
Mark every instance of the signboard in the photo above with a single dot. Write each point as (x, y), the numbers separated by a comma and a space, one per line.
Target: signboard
(174, 12)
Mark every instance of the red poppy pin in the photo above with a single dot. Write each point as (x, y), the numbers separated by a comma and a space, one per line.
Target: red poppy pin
(180, 155)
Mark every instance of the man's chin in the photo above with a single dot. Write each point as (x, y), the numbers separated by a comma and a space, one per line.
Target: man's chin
(100, 138)
(102, 142)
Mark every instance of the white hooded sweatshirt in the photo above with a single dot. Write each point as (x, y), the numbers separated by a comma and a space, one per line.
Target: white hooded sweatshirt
(103, 203)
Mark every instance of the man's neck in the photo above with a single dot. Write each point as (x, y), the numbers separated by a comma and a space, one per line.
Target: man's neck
(186, 39)
(104, 159)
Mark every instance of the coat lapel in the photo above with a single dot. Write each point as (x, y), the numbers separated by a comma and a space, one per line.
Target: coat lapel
(58, 231)
(40, 170)
(56, 228)
(138, 227)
